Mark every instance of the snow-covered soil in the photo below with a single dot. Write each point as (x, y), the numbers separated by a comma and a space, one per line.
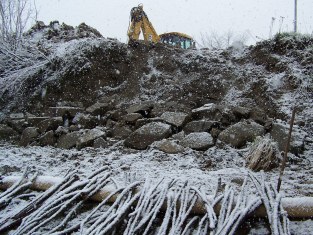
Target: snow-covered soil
(202, 169)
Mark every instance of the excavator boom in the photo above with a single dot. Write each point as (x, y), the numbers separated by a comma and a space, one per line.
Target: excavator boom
(140, 23)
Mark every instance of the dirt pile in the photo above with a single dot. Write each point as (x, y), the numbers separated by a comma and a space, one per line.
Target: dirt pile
(88, 81)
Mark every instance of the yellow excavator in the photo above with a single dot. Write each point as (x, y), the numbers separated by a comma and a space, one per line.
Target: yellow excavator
(140, 22)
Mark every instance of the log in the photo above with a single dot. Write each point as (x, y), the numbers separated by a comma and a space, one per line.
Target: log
(296, 207)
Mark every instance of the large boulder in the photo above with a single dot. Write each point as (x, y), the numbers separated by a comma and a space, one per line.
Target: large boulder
(242, 132)
(176, 119)
(279, 133)
(29, 135)
(147, 134)
(198, 141)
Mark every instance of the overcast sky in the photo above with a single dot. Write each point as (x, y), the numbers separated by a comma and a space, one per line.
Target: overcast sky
(193, 17)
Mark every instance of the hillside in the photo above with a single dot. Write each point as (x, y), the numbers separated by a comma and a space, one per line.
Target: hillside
(74, 99)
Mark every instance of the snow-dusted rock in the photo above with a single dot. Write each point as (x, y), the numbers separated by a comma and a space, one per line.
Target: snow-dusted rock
(143, 121)
(121, 132)
(144, 109)
(85, 121)
(29, 135)
(242, 132)
(131, 118)
(279, 133)
(198, 126)
(47, 139)
(177, 119)
(208, 111)
(18, 124)
(100, 143)
(169, 146)
(15, 116)
(88, 136)
(98, 109)
(34, 121)
(69, 140)
(241, 112)
(198, 141)
(147, 134)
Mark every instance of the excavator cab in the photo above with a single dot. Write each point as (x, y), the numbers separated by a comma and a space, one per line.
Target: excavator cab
(181, 40)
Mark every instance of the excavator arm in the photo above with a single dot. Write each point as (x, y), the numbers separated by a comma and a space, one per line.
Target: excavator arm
(140, 22)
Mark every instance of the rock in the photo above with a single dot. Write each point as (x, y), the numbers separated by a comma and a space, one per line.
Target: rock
(88, 136)
(198, 141)
(69, 140)
(29, 135)
(179, 136)
(85, 121)
(208, 111)
(18, 124)
(7, 133)
(61, 130)
(258, 116)
(132, 118)
(198, 126)
(73, 128)
(100, 143)
(50, 124)
(177, 119)
(98, 109)
(169, 146)
(242, 132)
(279, 133)
(34, 121)
(215, 132)
(147, 134)
(116, 115)
(15, 116)
(144, 109)
(121, 132)
(76, 104)
(47, 139)
(241, 112)
(144, 121)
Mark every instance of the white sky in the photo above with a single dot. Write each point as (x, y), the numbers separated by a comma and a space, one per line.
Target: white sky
(193, 17)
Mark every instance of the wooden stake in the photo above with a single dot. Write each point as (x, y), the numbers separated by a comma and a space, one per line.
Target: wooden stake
(283, 165)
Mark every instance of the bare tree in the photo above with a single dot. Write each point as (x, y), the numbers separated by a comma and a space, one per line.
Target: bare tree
(14, 17)
(214, 40)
